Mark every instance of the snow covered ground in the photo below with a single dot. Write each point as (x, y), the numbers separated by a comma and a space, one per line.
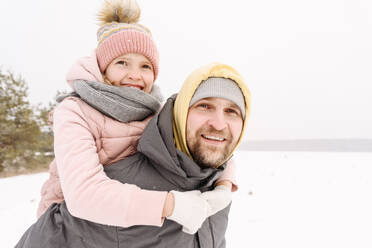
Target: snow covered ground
(285, 199)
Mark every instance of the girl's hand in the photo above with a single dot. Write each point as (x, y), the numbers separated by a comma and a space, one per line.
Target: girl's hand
(218, 199)
(190, 210)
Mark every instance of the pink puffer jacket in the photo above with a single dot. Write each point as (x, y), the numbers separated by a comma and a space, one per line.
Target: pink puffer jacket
(113, 141)
(84, 141)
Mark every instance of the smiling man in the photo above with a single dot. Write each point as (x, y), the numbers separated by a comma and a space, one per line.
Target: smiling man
(215, 121)
(210, 114)
(181, 154)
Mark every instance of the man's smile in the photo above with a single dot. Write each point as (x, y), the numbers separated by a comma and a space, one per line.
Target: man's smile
(213, 138)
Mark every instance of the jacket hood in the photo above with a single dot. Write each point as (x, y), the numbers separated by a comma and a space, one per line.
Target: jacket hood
(187, 91)
(85, 68)
(169, 161)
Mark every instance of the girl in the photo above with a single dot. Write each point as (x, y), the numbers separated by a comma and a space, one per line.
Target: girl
(116, 98)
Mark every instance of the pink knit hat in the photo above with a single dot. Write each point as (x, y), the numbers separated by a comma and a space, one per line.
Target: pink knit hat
(121, 34)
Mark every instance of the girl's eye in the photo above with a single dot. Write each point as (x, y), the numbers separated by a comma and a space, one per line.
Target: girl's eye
(122, 62)
(147, 67)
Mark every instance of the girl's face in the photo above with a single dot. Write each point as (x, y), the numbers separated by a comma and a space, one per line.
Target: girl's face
(131, 70)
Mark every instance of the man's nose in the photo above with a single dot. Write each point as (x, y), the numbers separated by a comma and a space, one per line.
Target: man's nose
(218, 121)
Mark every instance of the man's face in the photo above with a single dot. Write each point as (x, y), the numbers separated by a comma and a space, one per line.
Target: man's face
(213, 129)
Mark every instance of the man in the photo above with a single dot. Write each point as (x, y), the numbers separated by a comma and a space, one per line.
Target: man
(183, 150)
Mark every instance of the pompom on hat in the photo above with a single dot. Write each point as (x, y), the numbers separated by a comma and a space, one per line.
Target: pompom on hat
(120, 34)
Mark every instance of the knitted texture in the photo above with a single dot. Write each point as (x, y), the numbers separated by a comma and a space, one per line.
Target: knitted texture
(116, 39)
(122, 104)
(222, 88)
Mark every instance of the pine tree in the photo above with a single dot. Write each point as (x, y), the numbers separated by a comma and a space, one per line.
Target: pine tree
(21, 134)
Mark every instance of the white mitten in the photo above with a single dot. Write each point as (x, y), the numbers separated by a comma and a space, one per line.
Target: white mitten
(218, 199)
(190, 210)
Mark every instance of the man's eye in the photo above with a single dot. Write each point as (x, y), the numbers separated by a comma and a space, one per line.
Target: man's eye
(232, 111)
(203, 105)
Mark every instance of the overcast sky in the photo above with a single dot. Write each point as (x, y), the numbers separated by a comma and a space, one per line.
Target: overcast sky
(307, 63)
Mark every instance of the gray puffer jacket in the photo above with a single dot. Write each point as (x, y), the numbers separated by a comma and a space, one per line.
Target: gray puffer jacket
(158, 165)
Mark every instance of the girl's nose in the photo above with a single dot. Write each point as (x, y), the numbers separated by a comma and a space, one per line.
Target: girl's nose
(134, 74)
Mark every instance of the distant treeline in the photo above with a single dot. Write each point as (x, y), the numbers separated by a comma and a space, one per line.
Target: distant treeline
(311, 145)
(26, 138)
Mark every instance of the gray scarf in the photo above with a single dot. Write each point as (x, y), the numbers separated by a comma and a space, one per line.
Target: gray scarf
(123, 104)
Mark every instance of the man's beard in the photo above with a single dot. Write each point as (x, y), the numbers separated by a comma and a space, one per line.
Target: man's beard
(208, 155)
